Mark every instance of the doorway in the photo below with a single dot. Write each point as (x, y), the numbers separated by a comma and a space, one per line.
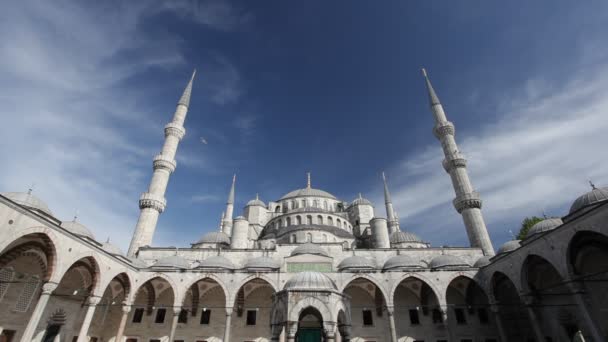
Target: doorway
(310, 326)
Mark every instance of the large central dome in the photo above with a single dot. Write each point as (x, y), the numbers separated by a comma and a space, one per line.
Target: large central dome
(308, 192)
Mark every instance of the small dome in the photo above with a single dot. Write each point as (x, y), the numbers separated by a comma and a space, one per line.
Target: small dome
(263, 263)
(216, 261)
(361, 201)
(77, 228)
(26, 199)
(308, 192)
(483, 261)
(447, 261)
(111, 248)
(401, 261)
(138, 263)
(544, 226)
(256, 202)
(509, 246)
(356, 262)
(310, 281)
(594, 196)
(309, 248)
(215, 237)
(173, 261)
(404, 237)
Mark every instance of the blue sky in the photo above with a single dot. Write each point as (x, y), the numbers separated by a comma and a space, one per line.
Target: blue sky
(288, 87)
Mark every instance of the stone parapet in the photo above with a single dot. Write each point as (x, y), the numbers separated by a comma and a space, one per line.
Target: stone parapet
(466, 201)
(442, 129)
(162, 162)
(457, 160)
(174, 129)
(148, 200)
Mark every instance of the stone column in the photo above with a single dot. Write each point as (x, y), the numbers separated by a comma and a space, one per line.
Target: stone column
(228, 322)
(88, 317)
(330, 331)
(391, 321)
(174, 324)
(30, 329)
(446, 321)
(498, 320)
(291, 330)
(123, 322)
(577, 290)
(538, 333)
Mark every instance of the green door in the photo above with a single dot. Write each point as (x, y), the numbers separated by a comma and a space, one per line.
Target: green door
(309, 335)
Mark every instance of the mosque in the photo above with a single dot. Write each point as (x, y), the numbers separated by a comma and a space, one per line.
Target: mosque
(306, 267)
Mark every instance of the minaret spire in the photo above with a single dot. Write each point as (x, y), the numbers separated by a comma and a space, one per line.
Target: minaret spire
(393, 223)
(227, 222)
(467, 201)
(308, 180)
(153, 202)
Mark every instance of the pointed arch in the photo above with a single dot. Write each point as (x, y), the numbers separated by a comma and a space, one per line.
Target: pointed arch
(37, 240)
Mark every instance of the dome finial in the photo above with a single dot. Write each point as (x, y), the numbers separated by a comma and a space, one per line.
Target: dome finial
(257, 196)
(592, 185)
(108, 239)
(308, 180)
(75, 215)
(360, 196)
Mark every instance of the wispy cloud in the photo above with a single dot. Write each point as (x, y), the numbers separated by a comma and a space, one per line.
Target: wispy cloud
(217, 14)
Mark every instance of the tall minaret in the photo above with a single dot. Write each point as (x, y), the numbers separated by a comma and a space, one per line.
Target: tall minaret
(153, 202)
(393, 223)
(227, 223)
(467, 201)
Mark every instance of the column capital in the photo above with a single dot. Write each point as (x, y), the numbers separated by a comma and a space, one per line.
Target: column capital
(229, 311)
(390, 310)
(126, 308)
(93, 300)
(49, 287)
(177, 310)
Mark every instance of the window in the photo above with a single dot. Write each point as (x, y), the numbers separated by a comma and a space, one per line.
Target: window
(183, 316)
(319, 219)
(160, 315)
(330, 221)
(205, 316)
(315, 203)
(483, 315)
(138, 314)
(6, 277)
(325, 205)
(308, 237)
(368, 319)
(414, 318)
(289, 221)
(309, 219)
(27, 294)
(460, 317)
(299, 220)
(338, 222)
(437, 317)
(251, 317)
(303, 203)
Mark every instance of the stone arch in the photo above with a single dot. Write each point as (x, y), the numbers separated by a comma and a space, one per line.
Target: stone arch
(196, 295)
(538, 273)
(213, 277)
(296, 310)
(510, 307)
(254, 297)
(468, 301)
(369, 278)
(88, 262)
(142, 282)
(585, 241)
(438, 294)
(32, 240)
(261, 277)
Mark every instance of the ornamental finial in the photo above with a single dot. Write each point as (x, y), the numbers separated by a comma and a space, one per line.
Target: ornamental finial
(308, 180)
(592, 185)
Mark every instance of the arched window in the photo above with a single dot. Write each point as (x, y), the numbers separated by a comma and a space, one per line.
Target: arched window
(277, 209)
(325, 205)
(292, 238)
(6, 277)
(319, 219)
(27, 294)
(298, 220)
(289, 221)
(330, 221)
(309, 219)
(344, 225)
(338, 223)
(324, 237)
(294, 204)
(279, 223)
(315, 203)
(308, 237)
(303, 203)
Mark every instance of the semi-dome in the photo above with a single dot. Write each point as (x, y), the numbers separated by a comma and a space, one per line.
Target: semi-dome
(594, 196)
(173, 261)
(217, 261)
(215, 237)
(483, 261)
(309, 248)
(401, 261)
(111, 248)
(361, 201)
(509, 246)
(310, 281)
(77, 228)
(308, 192)
(26, 199)
(262, 263)
(447, 261)
(404, 237)
(544, 226)
(355, 263)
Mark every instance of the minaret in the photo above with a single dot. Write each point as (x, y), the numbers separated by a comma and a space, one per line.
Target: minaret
(393, 223)
(227, 224)
(467, 201)
(153, 202)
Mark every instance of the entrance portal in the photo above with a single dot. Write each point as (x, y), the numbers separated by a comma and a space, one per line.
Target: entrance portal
(310, 326)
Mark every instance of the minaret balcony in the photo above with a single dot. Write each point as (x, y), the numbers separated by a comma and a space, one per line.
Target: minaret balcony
(442, 129)
(149, 200)
(162, 162)
(467, 201)
(454, 161)
(175, 130)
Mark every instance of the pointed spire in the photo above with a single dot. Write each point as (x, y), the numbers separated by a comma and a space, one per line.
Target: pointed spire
(307, 180)
(257, 196)
(222, 220)
(433, 99)
(231, 194)
(592, 185)
(387, 194)
(185, 99)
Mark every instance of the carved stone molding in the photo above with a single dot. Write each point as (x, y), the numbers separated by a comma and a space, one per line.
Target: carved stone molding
(148, 200)
(175, 130)
(444, 128)
(161, 162)
(454, 162)
(467, 201)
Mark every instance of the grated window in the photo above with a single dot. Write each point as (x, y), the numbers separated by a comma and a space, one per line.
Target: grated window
(27, 294)
(6, 277)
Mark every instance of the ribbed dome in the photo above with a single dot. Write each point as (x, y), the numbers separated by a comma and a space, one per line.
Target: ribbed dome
(173, 261)
(263, 263)
(544, 226)
(310, 281)
(509, 246)
(447, 261)
(217, 261)
(403, 237)
(401, 261)
(356, 262)
(308, 192)
(594, 196)
(77, 228)
(215, 237)
(28, 200)
(361, 201)
(111, 248)
(483, 261)
(309, 248)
